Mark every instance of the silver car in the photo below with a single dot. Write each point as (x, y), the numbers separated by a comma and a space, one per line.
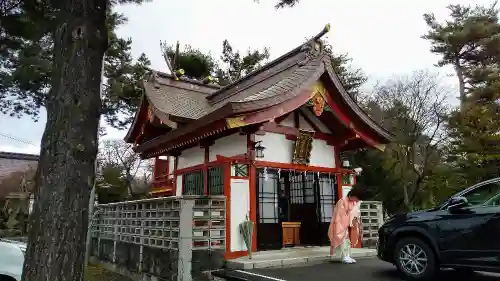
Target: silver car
(11, 259)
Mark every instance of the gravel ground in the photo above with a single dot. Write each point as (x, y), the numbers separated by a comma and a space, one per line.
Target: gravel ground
(98, 273)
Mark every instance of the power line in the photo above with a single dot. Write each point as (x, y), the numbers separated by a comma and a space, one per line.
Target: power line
(17, 139)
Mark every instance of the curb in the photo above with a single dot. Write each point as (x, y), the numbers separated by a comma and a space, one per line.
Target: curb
(287, 262)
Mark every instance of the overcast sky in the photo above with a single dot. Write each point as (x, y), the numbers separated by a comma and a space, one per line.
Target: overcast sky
(382, 37)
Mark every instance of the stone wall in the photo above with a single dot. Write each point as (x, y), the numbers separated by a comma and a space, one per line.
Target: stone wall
(171, 238)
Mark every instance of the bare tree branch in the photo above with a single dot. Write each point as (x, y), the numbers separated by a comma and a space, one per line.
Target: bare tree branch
(415, 108)
(135, 171)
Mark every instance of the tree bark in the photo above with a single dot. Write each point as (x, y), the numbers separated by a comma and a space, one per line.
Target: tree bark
(69, 145)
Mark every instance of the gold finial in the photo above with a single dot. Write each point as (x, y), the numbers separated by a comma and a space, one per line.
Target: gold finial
(323, 32)
(208, 79)
(179, 72)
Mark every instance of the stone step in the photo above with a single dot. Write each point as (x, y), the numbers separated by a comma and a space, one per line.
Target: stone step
(286, 258)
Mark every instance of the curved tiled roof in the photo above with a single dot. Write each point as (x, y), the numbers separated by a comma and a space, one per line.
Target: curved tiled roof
(280, 80)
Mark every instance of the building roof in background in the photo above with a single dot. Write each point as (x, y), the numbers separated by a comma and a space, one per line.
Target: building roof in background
(18, 156)
(13, 167)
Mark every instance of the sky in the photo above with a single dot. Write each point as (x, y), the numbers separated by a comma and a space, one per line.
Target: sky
(382, 37)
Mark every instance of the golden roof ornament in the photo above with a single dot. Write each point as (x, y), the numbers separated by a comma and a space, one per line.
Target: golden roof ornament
(208, 79)
(314, 47)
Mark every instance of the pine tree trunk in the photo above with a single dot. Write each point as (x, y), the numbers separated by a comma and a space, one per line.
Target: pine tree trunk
(69, 145)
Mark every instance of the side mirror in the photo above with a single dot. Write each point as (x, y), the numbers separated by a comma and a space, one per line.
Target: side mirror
(458, 202)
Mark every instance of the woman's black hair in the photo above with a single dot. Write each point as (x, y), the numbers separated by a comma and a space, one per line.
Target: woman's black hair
(359, 191)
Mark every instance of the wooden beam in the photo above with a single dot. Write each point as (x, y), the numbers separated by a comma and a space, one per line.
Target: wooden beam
(281, 118)
(309, 121)
(291, 133)
(296, 120)
(179, 119)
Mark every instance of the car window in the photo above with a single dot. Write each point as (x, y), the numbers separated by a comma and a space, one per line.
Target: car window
(487, 194)
(494, 201)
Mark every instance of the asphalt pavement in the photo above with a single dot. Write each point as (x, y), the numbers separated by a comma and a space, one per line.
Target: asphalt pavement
(368, 269)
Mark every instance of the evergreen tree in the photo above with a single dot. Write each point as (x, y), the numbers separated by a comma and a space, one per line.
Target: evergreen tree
(198, 65)
(470, 41)
(352, 78)
(26, 59)
(51, 55)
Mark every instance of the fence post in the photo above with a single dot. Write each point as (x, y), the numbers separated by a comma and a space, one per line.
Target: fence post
(141, 243)
(185, 240)
(115, 234)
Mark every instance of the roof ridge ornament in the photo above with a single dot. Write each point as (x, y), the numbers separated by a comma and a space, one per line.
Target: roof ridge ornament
(314, 47)
(154, 78)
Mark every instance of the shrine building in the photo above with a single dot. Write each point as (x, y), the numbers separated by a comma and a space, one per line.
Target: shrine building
(269, 142)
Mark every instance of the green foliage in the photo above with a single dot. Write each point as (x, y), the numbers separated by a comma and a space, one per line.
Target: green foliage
(97, 272)
(13, 217)
(112, 186)
(352, 78)
(470, 41)
(412, 108)
(284, 3)
(236, 65)
(198, 65)
(468, 38)
(26, 49)
(476, 142)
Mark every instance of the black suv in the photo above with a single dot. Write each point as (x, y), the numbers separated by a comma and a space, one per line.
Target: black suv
(462, 233)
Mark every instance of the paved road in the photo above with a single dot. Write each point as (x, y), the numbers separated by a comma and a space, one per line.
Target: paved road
(364, 270)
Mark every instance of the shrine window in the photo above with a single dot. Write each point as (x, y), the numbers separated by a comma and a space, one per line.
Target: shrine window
(193, 183)
(296, 189)
(327, 196)
(309, 188)
(267, 196)
(216, 180)
(239, 170)
(347, 179)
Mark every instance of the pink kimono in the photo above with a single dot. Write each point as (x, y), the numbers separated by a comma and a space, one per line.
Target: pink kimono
(339, 225)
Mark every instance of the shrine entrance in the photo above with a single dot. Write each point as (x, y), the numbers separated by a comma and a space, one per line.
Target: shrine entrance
(299, 197)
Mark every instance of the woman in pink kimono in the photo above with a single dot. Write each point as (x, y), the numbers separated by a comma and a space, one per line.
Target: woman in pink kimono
(345, 224)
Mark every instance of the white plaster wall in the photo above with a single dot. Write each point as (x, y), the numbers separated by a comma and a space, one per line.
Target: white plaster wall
(322, 154)
(191, 157)
(345, 190)
(231, 145)
(240, 208)
(278, 148)
(178, 186)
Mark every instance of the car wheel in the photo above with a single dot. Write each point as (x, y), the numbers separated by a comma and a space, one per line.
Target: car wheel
(415, 259)
(6, 278)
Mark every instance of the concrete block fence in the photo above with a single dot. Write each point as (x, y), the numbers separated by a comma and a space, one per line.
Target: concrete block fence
(170, 238)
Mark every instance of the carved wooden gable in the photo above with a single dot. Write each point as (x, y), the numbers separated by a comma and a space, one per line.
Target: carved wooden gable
(303, 147)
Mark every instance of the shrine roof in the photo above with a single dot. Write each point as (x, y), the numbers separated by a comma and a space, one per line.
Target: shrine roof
(276, 82)
(263, 87)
